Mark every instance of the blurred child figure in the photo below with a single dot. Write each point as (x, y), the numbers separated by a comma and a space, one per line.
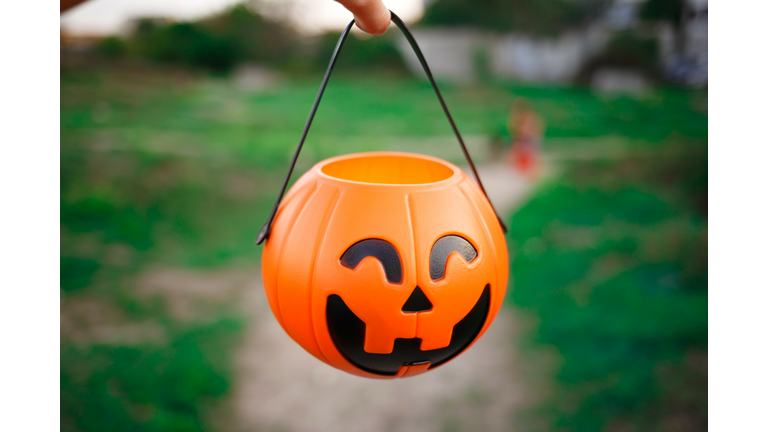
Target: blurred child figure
(527, 128)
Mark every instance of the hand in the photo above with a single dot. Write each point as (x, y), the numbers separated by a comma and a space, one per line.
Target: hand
(371, 16)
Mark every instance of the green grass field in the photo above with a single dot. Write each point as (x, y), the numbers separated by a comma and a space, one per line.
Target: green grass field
(611, 264)
(163, 168)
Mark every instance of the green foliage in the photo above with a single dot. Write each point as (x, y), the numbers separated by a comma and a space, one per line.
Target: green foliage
(624, 50)
(663, 10)
(217, 44)
(645, 49)
(572, 112)
(111, 47)
(538, 17)
(188, 44)
(252, 37)
(357, 55)
(147, 387)
(76, 273)
(118, 223)
(613, 266)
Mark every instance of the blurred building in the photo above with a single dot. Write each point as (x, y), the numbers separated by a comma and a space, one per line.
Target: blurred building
(466, 54)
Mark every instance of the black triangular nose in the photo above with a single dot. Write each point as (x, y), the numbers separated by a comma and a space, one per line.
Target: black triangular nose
(417, 302)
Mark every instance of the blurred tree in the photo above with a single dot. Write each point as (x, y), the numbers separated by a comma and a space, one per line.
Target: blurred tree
(670, 11)
(625, 50)
(111, 47)
(253, 37)
(376, 52)
(644, 50)
(663, 10)
(237, 35)
(538, 17)
(189, 44)
(146, 26)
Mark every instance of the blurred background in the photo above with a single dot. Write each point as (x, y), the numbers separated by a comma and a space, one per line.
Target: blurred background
(588, 119)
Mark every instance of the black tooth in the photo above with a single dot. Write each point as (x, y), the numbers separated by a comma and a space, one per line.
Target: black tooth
(348, 334)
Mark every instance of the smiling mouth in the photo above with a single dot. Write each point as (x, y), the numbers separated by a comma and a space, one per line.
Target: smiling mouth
(348, 334)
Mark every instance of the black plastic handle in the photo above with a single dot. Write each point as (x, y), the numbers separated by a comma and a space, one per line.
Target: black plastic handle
(267, 228)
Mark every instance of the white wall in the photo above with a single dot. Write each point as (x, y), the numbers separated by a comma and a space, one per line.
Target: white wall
(452, 54)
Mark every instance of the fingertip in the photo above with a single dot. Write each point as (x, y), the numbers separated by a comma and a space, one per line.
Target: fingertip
(380, 31)
(374, 31)
(377, 26)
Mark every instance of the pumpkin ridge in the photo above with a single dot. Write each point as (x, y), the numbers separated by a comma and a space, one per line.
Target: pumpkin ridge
(413, 242)
(327, 217)
(281, 252)
(492, 311)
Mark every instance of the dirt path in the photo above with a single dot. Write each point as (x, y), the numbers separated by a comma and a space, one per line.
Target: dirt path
(280, 387)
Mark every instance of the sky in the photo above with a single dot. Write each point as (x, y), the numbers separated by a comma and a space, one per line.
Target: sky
(102, 17)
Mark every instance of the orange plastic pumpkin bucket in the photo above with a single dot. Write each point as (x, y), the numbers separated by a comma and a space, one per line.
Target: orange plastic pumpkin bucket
(384, 264)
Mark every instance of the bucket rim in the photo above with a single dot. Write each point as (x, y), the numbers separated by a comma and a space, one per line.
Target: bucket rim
(457, 173)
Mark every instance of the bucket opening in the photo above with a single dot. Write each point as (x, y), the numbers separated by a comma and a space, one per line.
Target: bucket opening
(388, 169)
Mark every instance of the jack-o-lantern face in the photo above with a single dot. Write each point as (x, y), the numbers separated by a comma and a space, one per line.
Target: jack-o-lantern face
(349, 331)
(385, 280)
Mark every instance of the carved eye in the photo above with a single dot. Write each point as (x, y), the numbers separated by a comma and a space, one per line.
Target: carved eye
(382, 250)
(444, 247)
